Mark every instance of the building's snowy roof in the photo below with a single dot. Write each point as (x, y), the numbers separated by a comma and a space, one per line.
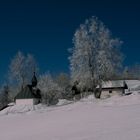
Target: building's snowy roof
(113, 84)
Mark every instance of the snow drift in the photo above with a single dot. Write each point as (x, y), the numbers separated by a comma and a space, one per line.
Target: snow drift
(115, 118)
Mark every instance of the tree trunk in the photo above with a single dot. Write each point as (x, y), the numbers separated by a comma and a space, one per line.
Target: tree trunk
(98, 92)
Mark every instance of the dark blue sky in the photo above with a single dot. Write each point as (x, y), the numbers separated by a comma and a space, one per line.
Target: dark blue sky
(45, 29)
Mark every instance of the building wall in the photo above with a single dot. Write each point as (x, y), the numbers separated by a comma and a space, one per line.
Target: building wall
(111, 92)
(24, 101)
(27, 101)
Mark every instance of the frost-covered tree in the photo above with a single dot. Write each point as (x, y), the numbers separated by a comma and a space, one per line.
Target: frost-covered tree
(21, 69)
(135, 71)
(132, 72)
(49, 89)
(31, 66)
(4, 98)
(63, 81)
(95, 55)
(125, 74)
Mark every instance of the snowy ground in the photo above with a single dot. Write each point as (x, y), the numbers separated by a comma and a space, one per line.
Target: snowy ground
(115, 118)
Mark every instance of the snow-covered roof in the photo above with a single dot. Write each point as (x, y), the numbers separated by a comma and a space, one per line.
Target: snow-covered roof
(113, 84)
(131, 84)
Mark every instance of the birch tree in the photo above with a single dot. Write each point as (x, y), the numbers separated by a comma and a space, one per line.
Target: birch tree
(95, 55)
(21, 69)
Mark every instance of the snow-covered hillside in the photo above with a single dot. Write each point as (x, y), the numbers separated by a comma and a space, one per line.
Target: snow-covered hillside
(115, 118)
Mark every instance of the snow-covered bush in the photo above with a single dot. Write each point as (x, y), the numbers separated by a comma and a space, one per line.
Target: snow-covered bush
(50, 90)
(67, 94)
(63, 81)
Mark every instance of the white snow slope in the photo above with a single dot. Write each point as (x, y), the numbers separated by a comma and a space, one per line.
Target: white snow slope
(116, 118)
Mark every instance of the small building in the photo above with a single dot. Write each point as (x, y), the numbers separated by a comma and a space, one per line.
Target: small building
(116, 87)
(29, 95)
